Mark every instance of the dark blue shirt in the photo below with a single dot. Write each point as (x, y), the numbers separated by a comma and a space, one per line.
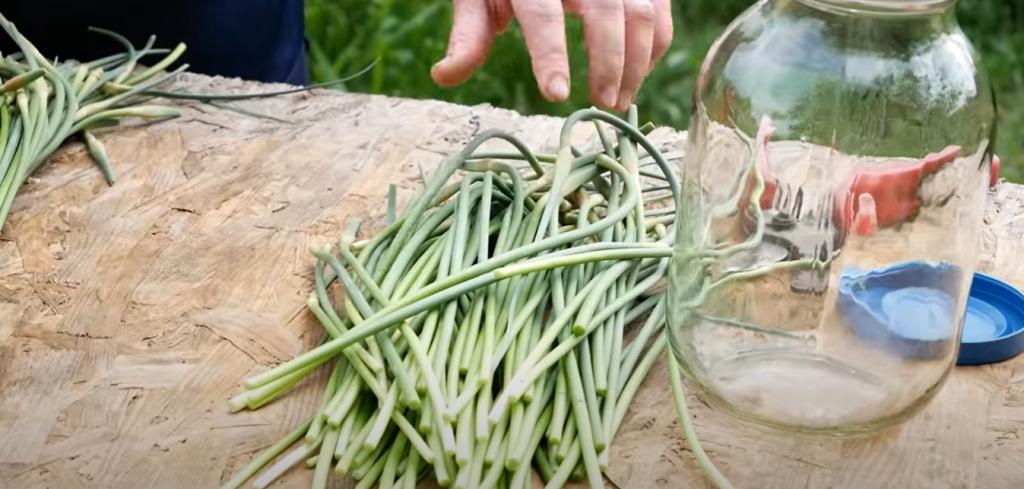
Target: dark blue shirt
(252, 39)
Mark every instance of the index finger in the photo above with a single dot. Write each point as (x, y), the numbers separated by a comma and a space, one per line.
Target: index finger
(662, 29)
(604, 28)
(543, 26)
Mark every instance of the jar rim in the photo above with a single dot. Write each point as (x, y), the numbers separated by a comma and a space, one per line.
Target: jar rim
(884, 7)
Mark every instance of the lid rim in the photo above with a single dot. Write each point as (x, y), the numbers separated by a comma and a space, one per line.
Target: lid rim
(1009, 302)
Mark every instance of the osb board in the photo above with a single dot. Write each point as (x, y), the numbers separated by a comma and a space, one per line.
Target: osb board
(129, 314)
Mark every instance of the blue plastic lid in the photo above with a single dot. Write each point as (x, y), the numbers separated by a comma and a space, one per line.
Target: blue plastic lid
(993, 323)
(908, 309)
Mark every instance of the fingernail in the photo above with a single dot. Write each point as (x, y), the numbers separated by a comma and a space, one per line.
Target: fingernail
(438, 74)
(558, 88)
(625, 98)
(610, 97)
(438, 64)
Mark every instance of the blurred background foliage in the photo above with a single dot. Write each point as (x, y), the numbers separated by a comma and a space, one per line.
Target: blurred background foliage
(409, 36)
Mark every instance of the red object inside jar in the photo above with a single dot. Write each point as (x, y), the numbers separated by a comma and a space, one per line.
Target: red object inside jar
(873, 198)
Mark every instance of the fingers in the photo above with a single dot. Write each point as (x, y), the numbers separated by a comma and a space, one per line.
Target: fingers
(543, 26)
(624, 39)
(639, 42)
(662, 29)
(933, 162)
(994, 171)
(473, 31)
(865, 222)
(604, 30)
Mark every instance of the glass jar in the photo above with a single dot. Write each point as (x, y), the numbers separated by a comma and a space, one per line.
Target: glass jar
(834, 185)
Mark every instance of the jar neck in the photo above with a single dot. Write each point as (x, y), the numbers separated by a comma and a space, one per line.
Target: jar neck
(884, 8)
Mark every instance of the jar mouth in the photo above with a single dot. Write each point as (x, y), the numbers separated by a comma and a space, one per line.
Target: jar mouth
(883, 7)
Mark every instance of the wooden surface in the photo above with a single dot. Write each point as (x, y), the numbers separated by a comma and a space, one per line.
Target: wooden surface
(128, 315)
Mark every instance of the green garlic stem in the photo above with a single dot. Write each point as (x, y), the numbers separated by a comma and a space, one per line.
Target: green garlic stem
(266, 456)
(716, 477)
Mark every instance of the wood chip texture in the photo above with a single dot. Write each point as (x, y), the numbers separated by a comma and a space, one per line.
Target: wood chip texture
(129, 314)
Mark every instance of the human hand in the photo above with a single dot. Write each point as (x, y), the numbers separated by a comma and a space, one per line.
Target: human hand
(624, 39)
(891, 196)
(886, 196)
(872, 198)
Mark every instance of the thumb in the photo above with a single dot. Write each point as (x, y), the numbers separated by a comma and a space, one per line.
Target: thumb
(473, 31)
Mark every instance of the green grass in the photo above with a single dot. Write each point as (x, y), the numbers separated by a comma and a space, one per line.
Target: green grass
(408, 36)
